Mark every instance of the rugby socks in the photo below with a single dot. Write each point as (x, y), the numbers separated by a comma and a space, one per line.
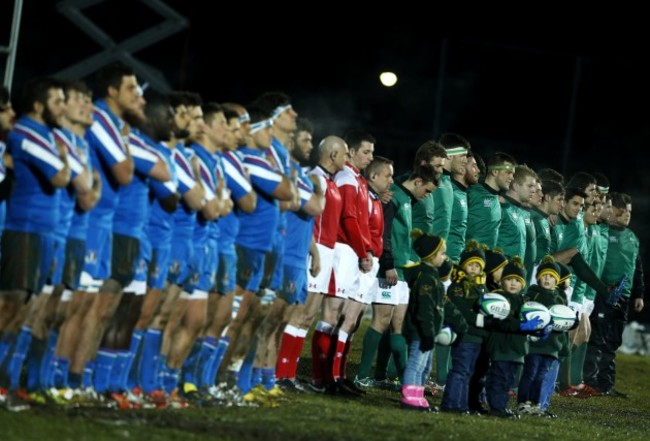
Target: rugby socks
(320, 347)
(207, 356)
(370, 345)
(16, 359)
(297, 351)
(150, 360)
(338, 354)
(285, 354)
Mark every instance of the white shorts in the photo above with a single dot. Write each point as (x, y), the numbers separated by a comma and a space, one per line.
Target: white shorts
(392, 295)
(321, 282)
(138, 287)
(346, 271)
(367, 285)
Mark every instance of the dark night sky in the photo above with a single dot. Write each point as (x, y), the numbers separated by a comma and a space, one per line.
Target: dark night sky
(510, 94)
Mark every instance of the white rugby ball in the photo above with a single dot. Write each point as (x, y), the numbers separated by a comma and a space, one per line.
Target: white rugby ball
(563, 317)
(494, 304)
(446, 336)
(530, 310)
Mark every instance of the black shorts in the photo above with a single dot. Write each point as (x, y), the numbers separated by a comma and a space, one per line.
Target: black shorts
(125, 252)
(20, 265)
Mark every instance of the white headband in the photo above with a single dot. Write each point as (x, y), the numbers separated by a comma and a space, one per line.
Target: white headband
(256, 127)
(278, 110)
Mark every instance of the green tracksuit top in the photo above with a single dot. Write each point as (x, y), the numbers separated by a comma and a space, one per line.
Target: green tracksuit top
(622, 251)
(512, 231)
(483, 214)
(458, 227)
(443, 199)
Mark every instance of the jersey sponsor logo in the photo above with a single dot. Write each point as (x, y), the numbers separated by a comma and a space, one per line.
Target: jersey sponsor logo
(463, 203)
(613, 239)
(487, 203)
(386, 294)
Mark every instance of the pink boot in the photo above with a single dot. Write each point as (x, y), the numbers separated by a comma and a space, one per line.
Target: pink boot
(411, 397)
(422, 402)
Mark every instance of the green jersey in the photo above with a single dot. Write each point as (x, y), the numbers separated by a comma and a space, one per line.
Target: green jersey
(530, 259)
(542, 233)
(399, 210)
(599, 235)
(458, 228)
(443, 199)
(483, 214)
(512, 231)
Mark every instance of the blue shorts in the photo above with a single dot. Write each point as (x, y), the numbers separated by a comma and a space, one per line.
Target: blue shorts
(278, 250)
(159, 267)
(294, 285)
(140, 266)
(75, 251)
(182, 255)
(250, 268)
(99, 248)
(226, 273)
(205, 276)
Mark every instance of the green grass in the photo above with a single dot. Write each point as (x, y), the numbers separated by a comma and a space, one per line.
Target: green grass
(376, 416)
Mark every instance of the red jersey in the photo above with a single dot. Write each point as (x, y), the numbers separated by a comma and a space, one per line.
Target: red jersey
(353, 228)
(326, 225)
(376, 223)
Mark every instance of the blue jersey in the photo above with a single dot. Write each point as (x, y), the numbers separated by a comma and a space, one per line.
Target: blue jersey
(300, 224)
(69, 194)
(256, 229)
(132, 212)
(207, 165)
(3, 170)
(3, 175)
(161, 223)
(239, 186)
(79, 222)
(33, 207)
(106, 149)
(184, 218)
(280, 156)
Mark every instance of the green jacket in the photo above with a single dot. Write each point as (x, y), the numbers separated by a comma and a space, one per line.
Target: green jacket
(557, 344)
(464, 294)
(443, 198)
(622, 252)
(428, 307)
(421, 214)
(483, 214)
(458, 228)
(505, 341)
(512, 231)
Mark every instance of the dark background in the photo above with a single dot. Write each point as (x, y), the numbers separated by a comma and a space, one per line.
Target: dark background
(570, 104)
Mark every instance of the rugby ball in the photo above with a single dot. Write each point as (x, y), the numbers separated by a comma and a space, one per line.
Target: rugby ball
(446, 336)
(494, 304)
(530, 310)
(563, 317)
